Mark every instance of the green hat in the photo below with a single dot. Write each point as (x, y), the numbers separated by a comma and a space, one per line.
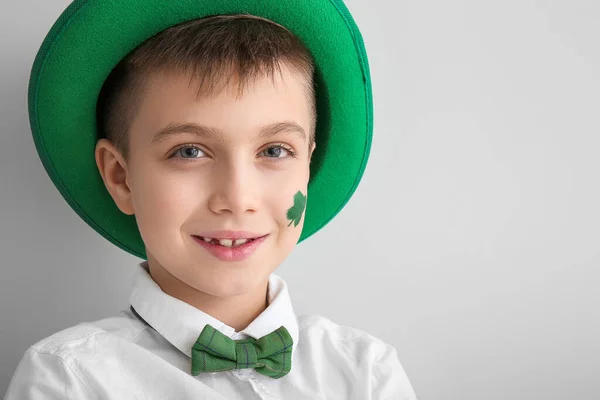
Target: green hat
(90, 38)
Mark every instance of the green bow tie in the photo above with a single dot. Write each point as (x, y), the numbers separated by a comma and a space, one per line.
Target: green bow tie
(271, 355)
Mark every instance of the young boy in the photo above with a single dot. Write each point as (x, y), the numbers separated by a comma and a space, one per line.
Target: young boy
(205, 146)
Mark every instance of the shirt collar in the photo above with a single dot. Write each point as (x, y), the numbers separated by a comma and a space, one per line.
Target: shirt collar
(181, 323)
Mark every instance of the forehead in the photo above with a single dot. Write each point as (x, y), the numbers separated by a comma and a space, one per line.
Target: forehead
(169, 99)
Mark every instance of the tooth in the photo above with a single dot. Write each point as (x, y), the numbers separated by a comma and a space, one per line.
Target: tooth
(207, 239)
(225, 242)
(237, 242)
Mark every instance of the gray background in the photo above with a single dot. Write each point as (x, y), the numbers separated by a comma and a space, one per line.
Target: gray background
(472, 244)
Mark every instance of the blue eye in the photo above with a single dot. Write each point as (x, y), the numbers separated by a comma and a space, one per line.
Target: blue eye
(188, 152)
(276, 151)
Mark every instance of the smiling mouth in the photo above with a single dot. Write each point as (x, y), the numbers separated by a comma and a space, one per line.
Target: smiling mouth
(227, 242)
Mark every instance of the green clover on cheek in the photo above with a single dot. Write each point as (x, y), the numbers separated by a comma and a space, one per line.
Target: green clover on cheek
(294, 214)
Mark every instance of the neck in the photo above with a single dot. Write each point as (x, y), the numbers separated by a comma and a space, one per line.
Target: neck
(237, 311)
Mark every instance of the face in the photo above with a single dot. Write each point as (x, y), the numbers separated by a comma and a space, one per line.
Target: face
(233, 176)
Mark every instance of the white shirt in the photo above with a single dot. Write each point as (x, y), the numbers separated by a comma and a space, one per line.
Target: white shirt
(124, 358)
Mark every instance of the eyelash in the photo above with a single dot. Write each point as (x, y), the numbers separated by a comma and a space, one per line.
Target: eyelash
(284, 146)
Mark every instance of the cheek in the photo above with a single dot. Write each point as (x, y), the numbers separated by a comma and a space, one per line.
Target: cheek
(163, 200)
(280, 193)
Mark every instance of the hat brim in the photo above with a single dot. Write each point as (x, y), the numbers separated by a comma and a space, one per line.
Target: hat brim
(92, 36)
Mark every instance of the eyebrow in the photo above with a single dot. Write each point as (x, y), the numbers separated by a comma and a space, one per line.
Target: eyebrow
(205, 132)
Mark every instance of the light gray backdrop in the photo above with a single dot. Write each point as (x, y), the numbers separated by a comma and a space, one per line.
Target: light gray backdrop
(472, 244)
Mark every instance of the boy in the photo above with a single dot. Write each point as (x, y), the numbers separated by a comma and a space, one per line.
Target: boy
(206, 141)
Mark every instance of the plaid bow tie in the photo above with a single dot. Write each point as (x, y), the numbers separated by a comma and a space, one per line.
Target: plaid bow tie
(271, 355)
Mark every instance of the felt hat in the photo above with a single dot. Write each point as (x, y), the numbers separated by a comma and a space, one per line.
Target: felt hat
(91, 36)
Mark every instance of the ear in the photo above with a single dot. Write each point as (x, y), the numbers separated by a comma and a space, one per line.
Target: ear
(113, 169)
(310, 153)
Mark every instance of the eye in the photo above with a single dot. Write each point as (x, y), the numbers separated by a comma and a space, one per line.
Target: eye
(188, 152)
(278, 151)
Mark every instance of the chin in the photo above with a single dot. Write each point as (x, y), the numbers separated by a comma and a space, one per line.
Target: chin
(231, 283)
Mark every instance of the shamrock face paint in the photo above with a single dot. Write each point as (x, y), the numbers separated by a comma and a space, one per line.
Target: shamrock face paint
(294, 214)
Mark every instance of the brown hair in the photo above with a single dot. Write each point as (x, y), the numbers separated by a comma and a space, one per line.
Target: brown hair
(213, 50)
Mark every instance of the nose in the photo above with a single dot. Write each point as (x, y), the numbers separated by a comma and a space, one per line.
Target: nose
(235, 188)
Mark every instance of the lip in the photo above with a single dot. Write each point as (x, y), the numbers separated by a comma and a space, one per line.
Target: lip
(238, 253)
(230, 235)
